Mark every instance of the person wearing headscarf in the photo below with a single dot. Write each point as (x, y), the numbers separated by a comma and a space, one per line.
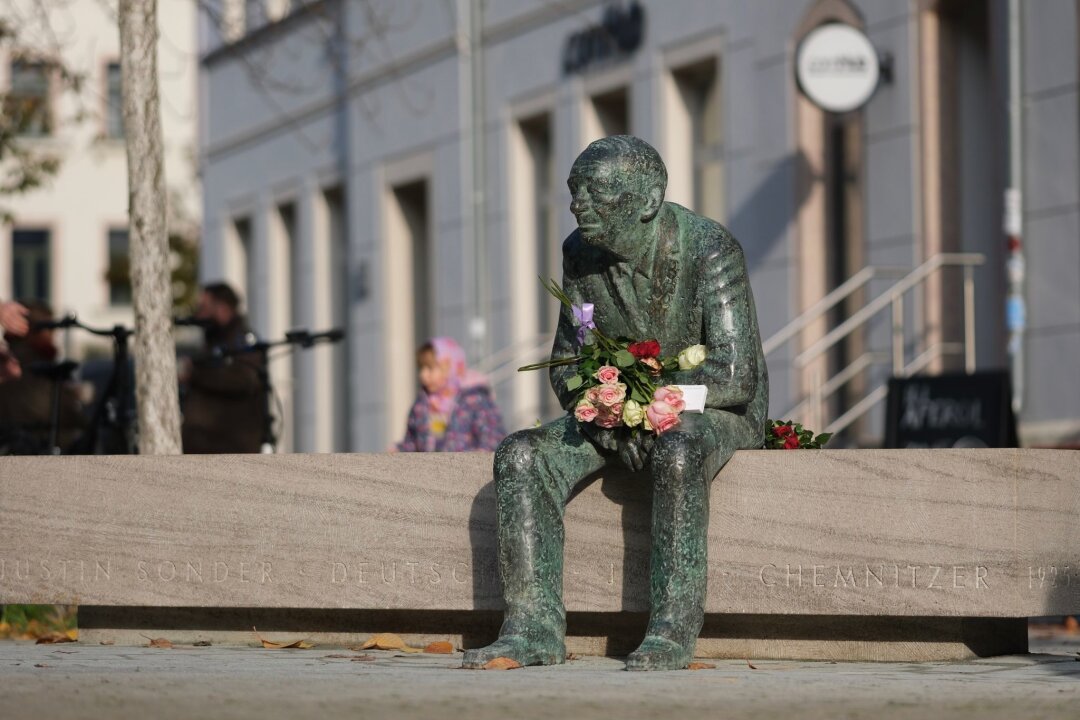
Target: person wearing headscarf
(455, 410)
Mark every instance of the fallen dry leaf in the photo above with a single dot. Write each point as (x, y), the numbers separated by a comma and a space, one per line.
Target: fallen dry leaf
(107, 642)
(56, 637)
(750, 665)
(41, 665)
(1072, 625)
(439, 648)
(570, 657)
(160, 643)
(388, 641)
(201, 643)
(502, 663)
(271, 645)
(363, 658)
(700, 666)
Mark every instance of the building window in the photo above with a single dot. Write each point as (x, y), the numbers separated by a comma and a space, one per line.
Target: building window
(30, 265)
(610, 114)
(27, 102)
(254, 14)
(696, 141)
(541, 209)
(114, 110)
(119, 273)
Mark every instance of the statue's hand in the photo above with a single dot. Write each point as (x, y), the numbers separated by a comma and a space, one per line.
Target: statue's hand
(604, 438)
(634, 451)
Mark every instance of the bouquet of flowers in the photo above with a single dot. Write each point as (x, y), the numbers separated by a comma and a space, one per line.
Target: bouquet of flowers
(620, 381)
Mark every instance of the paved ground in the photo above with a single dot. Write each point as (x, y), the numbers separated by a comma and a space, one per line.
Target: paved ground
(75, 681)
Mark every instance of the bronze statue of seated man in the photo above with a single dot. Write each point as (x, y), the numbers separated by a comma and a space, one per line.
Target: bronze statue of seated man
(652, 270)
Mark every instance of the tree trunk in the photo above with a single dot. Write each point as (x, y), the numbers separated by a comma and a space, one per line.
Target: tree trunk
(155, 349)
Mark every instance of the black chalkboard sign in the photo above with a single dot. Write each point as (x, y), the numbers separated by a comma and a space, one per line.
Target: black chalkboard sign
(946, 411)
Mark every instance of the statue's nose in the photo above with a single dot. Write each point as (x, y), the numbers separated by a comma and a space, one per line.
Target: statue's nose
(577, 204)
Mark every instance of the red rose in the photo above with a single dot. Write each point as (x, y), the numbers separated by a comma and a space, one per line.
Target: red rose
(784, 431)
(645, 349)
(792, 442)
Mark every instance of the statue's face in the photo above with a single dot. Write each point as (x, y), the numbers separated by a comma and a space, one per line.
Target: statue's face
(608, 209)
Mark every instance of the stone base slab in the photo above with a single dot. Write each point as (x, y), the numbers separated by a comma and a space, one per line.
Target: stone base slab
(907, 533)
(765, 637)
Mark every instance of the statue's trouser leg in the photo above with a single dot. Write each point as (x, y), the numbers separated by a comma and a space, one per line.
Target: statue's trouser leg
(535, 472)
(683, 464)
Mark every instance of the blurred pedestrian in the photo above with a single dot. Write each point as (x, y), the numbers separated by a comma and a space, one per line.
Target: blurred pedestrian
(223, 394)
(455, 410)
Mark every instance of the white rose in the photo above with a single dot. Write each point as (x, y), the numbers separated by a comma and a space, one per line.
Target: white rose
(691, 357)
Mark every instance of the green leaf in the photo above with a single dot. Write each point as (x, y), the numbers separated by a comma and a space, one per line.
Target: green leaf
(823, 438)
(623, 358)
(639, 397)
(573, 382)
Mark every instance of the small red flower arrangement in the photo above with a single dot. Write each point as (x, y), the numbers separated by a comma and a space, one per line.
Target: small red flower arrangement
(790, 435)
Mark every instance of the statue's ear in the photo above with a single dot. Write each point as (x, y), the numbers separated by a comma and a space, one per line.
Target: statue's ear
(653, 200)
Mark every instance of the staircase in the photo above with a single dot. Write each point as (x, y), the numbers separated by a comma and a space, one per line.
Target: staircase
(813, 408)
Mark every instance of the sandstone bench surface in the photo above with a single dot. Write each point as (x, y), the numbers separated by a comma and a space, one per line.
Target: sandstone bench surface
(876, 534)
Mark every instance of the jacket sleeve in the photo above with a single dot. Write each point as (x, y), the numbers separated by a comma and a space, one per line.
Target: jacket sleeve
(487, 423)
(411, 443)
(730, 368)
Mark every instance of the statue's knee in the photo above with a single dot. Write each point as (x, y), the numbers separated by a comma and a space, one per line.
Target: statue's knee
(515, 457)
(676, 455)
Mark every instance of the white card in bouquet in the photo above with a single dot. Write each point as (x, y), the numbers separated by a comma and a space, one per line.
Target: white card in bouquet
(694, 395)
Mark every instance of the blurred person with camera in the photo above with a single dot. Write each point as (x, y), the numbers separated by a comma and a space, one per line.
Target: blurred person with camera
(40, 407)
(12, 322)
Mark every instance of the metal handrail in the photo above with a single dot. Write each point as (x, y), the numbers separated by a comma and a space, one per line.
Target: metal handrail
(892, 296)
(822, 388)
(513, 352)
(536, 351)
(827, 303)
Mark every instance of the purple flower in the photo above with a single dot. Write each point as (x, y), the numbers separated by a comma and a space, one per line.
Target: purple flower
(583, 317)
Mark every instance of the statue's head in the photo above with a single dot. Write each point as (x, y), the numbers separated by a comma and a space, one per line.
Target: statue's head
(617, 188)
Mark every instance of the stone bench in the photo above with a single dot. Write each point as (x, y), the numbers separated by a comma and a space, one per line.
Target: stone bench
(880, 554)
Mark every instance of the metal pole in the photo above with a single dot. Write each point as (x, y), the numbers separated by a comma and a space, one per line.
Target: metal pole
(478, 323)
(898, 334)
(969, 319)
(1015, 304)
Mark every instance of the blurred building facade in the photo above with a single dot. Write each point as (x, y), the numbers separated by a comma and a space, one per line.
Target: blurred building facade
(397, 168)
(68, 241)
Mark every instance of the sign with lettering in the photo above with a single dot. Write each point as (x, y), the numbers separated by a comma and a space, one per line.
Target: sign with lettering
(837, 67)
(950, 411)
(619, 34)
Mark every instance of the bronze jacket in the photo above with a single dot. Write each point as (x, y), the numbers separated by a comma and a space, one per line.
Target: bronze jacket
(692, 288)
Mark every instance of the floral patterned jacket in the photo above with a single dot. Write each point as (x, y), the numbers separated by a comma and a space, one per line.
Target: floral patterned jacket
(475, 424)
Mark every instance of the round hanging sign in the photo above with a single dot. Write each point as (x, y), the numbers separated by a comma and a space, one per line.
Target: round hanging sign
(837, 67)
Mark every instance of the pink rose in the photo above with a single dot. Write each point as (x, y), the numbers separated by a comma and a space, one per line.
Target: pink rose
(608, 374)
(671, 395)
(610, 417)
(610, 395)
(593, 395)
(585, 411)
(662, 417)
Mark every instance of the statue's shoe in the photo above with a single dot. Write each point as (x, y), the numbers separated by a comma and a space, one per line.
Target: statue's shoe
(659, 653)
(518, 648)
